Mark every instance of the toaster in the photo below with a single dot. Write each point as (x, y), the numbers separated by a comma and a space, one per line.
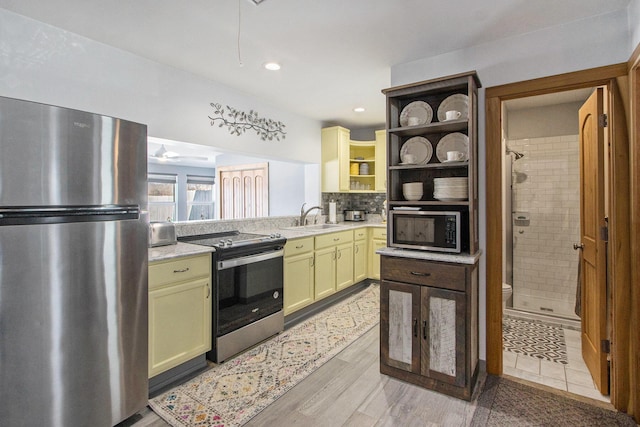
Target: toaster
(162, 234)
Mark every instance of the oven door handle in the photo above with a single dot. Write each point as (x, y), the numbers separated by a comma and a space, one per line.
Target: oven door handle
(236, 262)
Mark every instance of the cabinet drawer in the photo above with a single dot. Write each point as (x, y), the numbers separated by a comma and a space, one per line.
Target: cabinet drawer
(298, 246)
(360, 234)
(379, 233)
(407, 270)
(333, 239)
(179, 270)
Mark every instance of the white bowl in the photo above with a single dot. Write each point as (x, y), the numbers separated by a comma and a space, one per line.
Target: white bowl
(413, 197)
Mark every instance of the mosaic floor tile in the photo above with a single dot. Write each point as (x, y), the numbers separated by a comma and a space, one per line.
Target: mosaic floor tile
(534, 338)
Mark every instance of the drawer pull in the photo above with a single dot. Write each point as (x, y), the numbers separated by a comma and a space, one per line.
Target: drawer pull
(184, 270)
(208, 291)
(300, 247)
(417, 273)
(335, 239)
(424, 329)
(415, 328)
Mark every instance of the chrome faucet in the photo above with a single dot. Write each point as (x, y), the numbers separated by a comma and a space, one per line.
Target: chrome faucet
(303, 213)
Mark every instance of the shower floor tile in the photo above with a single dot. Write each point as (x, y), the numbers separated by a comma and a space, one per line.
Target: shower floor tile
(534, 338)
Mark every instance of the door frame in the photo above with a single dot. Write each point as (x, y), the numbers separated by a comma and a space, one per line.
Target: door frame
(494, 96)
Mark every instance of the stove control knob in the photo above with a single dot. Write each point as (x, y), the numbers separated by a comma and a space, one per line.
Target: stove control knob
(221, 243)
(275, 235)
(229, 242)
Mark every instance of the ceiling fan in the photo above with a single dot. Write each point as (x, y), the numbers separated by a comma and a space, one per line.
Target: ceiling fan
(163, 154)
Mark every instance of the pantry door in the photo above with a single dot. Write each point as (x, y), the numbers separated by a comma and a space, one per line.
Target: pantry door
(593, 245)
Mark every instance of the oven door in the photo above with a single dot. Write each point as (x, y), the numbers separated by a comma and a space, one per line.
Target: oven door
(249, 288)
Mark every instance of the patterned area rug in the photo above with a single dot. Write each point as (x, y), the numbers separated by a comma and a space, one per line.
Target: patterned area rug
(232, 393)
(536, 339)
(506, 403)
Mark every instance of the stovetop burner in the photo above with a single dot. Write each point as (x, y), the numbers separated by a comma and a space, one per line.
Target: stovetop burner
(234, 239)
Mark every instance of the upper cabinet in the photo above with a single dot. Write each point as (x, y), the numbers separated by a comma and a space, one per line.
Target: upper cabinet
(352, 166)
(432, 142)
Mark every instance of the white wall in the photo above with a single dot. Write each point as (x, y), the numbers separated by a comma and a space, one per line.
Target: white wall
(634, 23)
(589, 43)
(550, 120)
(42, 63)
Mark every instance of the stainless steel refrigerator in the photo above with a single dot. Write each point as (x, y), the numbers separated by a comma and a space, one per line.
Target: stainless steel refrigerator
(73, 267)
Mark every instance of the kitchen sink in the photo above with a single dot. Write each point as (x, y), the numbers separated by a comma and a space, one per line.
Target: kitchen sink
(314, 227)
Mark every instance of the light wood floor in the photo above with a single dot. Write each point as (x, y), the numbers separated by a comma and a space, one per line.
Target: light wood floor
(349, 390)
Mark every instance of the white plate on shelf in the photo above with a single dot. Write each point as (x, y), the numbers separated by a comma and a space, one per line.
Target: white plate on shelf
(457, 102)
(419, 109)
(453, 161)
(455, 141)
(420, 147)
(406, 208)
(451, 199)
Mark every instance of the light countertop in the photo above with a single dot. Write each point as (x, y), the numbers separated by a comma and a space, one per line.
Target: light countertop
(431, 256)
(161, 253)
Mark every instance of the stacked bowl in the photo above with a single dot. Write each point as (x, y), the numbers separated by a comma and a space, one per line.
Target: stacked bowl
(412, 190)
(451, 189)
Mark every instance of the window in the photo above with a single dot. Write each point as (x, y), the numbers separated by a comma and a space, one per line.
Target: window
(200, 197)
(162, 197)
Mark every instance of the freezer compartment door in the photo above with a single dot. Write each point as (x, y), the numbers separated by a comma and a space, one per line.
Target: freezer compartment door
(52, 156)
(73, 322)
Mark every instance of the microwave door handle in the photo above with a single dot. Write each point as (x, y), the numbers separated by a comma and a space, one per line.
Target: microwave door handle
(236, 262)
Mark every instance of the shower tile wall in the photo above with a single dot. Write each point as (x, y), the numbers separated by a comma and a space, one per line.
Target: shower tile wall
(545, 185)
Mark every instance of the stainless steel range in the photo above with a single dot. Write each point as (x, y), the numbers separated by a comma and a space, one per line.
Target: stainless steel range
(248, 283)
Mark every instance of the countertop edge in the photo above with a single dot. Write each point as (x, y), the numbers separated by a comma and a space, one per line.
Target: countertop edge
(163, 253)
(430, 256)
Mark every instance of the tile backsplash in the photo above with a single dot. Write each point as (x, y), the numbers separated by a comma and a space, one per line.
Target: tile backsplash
(371, 203)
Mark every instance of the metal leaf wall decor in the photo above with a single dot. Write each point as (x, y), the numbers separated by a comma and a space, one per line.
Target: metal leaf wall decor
(238, 122)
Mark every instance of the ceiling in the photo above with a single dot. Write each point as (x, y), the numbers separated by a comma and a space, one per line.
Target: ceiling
(335, 54)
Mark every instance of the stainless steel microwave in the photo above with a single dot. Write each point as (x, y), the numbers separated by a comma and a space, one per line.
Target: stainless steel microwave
(439, 231)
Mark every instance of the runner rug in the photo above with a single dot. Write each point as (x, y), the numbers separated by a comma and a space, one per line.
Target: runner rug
(506, 403)
(230, 394)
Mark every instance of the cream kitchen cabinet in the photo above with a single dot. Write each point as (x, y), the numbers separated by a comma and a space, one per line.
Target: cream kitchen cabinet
(334, 262)
(299, 270)
(179, 311)
(343, 160)
(378, 241)
(360, 258)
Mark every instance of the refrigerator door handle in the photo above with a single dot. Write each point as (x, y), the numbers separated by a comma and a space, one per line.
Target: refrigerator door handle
(66, 214)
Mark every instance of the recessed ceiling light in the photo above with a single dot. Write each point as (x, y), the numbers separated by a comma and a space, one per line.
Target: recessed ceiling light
(272, 66)
(359, 109)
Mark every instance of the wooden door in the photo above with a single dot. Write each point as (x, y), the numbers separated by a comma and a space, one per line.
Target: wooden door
(244, 191)
(592, 226)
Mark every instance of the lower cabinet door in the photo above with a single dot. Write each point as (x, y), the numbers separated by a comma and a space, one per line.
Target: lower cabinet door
(325, 272)
(179, 324)
(443, 335)
(375, 258)
(399, 333)
(359, 260)
(298, 282)
(344, 266)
